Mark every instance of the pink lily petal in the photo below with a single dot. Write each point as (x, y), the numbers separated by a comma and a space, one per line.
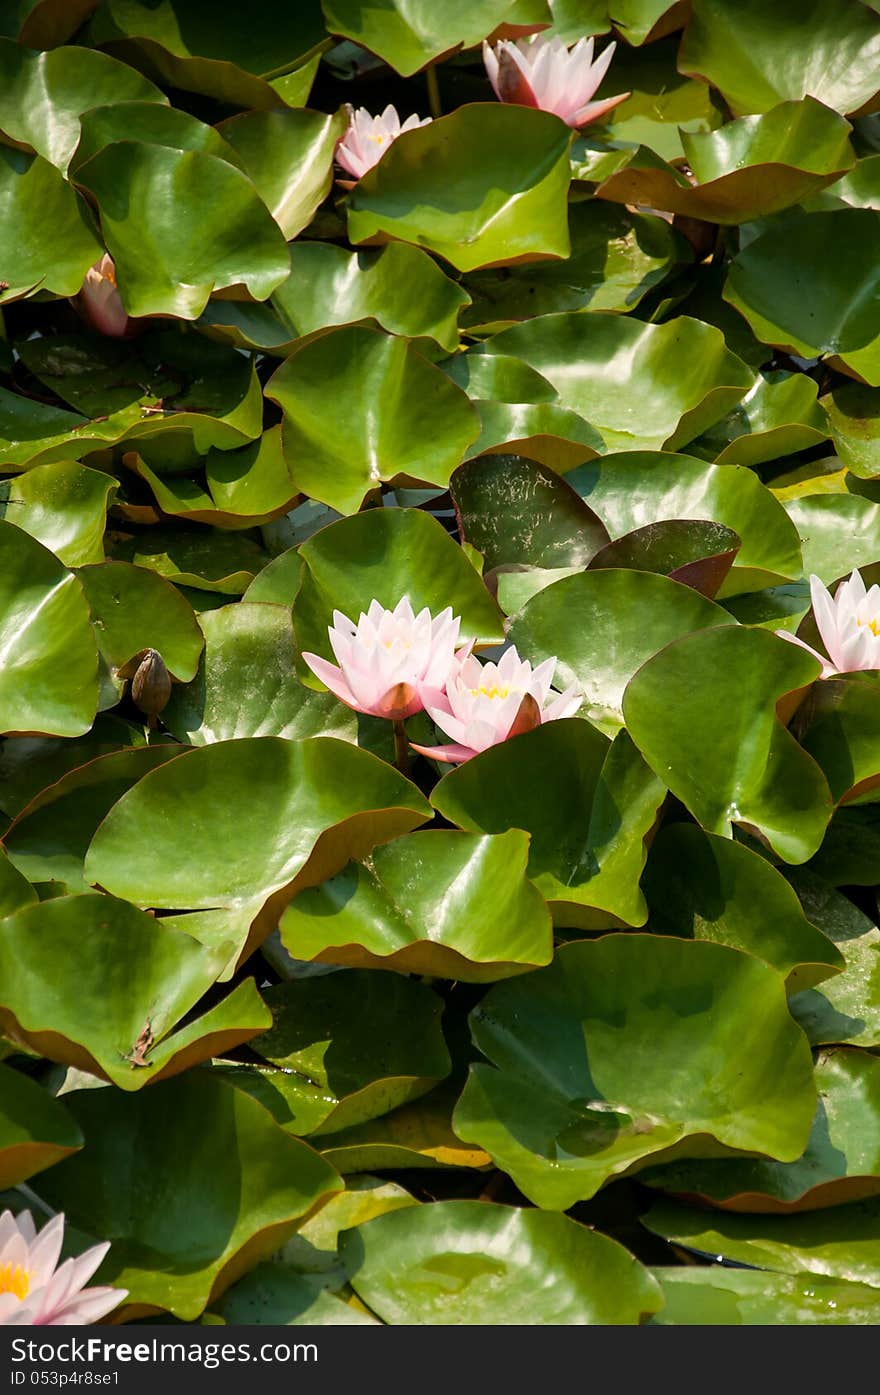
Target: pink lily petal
(332, 677)
(449, 755)
(827, 670)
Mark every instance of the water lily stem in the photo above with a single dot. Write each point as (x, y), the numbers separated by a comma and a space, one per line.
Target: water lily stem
(401, 748)
(35, 1200)
(434, 91)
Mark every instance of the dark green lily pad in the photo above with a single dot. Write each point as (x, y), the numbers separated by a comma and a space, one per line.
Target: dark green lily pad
(700, 885)
(646, 1051)
(95, 983)
(348, 1048)
(241, 1184)
(35, 1128)
(588, 805)
(688, 720)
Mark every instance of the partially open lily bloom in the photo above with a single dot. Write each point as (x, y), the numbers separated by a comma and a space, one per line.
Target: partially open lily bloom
(35, 1291)
(849, 625)
(392, 663)
(544, 73)
(368, 137)
(484, 704)
(100, 303)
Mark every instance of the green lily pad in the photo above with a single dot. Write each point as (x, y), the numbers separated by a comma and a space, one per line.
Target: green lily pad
(312, 805)
(34, 433)
(247, 684)
(240, 1185)
(47, 841)
(44, 23)
(419, 1135)
(384, 554)
(466, 1262)
(843, 737)
(842, 1242)
(35, 1129)
(740, 1297)
(16, 891)
(396, 415)
(224, 562)
(588, 805)
(840, 1163)
(680, 377)
(134, 609)
(47, 229)
(275, 1294)
(246, 58)
(663, 104)
(45, 94)
(826, 49)
(350, 1047)
(409, 36)
(485, 186)
(97, 984)
(602, 625)
(616, 258)
(167, 386)
(63, 506)
(243, 488)
(778, 416)
(703, 712)
(838, 532)
(447, 904)
(853, 412)
(28, 764)
(398, 287)
(709, 888)
(647, 1050)
(767, 280)
(49, 674)
(845, 1008)
(148, 122)
(288, 156)
(516, 511)
(748, 169)
(172, 249)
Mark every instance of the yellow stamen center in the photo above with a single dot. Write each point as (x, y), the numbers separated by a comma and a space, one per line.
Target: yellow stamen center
(16, 1280)
(380, 140)
(494, 692)
(873, 625)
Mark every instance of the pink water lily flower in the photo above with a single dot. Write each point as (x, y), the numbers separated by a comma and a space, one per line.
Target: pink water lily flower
(849, 625)
(392, 663)
(368, 137)
(484, 704)
(35, 1291)
(544, 73)
(100, 303)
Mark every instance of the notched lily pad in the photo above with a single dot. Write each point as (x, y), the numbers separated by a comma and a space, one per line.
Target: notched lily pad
(95, 983)
(646, 1051)
(448, 904)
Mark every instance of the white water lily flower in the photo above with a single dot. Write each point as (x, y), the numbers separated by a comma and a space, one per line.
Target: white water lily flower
(392, 662)
(849, 626)
(485, 704)
(368, 137)
(35, 1291)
